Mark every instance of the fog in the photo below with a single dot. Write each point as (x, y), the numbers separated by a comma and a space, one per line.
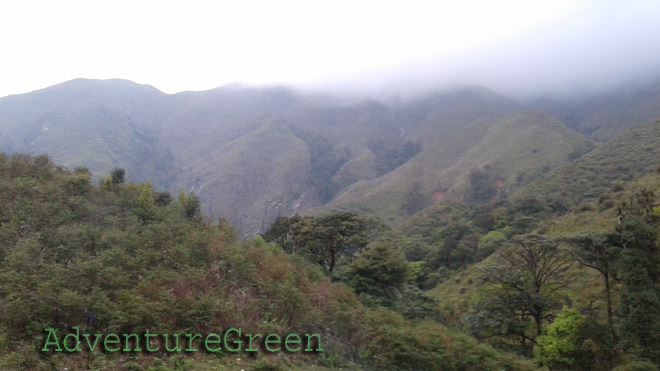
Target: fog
(610, 45)
(518, 48)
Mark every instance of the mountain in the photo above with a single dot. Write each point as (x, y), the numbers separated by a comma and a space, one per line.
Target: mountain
(255, 153)
(513, 150)
(604, 115)
(627, 156)
(97, 124)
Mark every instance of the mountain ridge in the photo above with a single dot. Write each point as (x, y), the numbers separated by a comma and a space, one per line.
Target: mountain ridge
(361, 145)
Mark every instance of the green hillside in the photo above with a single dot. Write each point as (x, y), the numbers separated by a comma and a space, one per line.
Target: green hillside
(623, 158)
(96, 124)
(275, 185)
(515, 150)
(122, 258)
(459, 294)
(437, 212)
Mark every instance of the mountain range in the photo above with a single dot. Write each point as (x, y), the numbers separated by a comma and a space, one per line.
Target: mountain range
(255, 153)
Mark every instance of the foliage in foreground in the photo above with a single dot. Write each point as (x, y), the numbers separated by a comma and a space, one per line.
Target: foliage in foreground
(125, 258)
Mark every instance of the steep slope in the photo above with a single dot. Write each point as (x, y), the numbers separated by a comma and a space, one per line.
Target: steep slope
(97, 124)
(257, 153)
(626, 156)
(254, 179)
(514, 150)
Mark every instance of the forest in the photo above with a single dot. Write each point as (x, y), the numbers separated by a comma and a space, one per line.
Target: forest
(135, 259)
(120, 257)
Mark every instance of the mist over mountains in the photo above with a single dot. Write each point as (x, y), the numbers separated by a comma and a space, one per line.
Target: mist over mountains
(255, 153)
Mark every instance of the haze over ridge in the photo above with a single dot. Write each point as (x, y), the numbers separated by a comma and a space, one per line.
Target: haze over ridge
(513, 47)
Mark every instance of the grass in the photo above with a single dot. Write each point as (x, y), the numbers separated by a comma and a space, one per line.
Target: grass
(623, 158)
(522, 142)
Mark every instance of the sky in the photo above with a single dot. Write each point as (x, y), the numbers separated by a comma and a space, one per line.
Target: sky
(513, 46)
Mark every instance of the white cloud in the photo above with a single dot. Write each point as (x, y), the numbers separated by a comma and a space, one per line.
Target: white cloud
(196, 45)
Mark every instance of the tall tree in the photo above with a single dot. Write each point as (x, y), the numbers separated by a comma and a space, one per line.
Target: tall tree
(528, 276)
(283, 232)
(638, 268)
(597, 251)
(334, 236)
(145, 207)
(324, 240)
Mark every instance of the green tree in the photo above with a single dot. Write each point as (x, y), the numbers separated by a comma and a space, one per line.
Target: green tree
(378, 271)
(499, 315)
(638, 268)
(190, 205)
(525, 281)
(556, 349)
(325, 240)
(574, 341)
(283, 232)
(598, 252)
(332, 237)
(146, 208)
(117, 175)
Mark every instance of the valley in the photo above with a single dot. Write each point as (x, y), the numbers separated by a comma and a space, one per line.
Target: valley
(309, 152)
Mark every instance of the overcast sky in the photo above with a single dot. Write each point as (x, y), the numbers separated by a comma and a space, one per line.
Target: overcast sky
(517, 47)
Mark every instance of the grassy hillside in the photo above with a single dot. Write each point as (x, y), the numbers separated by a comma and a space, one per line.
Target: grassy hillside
(254, 179)
(591, 216)
(515, 149)
(623, 158)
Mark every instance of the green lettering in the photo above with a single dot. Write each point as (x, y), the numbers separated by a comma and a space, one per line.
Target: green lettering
(137, 343)
(207, 342)
(107, 341)
(288, 341)
(96, 340)
(275, 341)
(309, 342)
(146, 337)
(49, 342)
(250, 348)
(76, 339)
(191, 338)
(239, 342)
(176, 348)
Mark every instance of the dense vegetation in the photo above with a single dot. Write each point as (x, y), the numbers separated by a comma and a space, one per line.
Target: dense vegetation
(124, 258)
(572, 291)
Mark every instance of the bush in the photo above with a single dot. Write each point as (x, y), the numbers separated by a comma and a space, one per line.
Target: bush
(637, 366)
